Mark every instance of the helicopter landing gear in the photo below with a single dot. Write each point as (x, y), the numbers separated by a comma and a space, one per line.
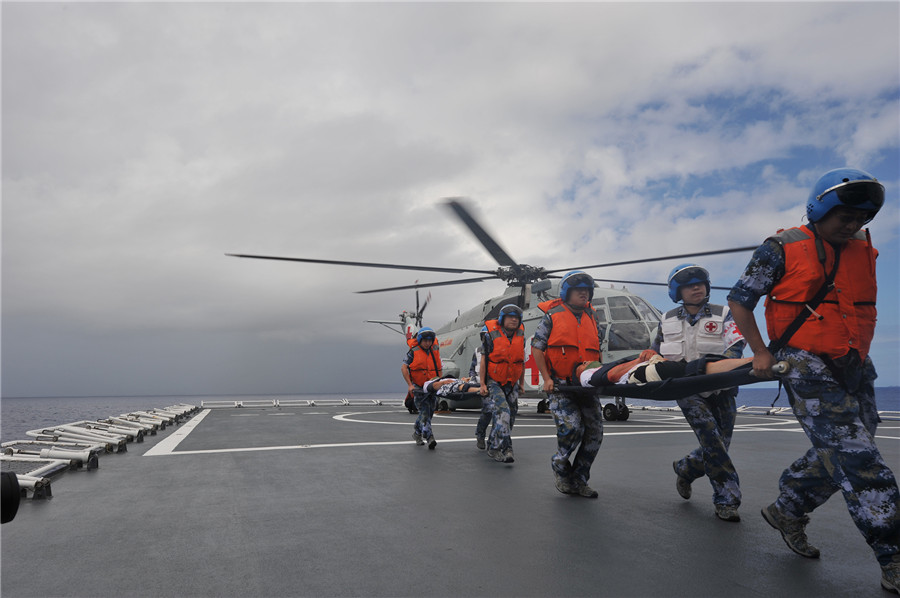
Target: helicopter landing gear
(542, 406)
(610, 413)
(617, 411)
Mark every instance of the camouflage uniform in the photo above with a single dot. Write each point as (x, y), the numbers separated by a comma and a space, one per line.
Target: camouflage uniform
(840, 424)
(425, 403)
(578, 421)
(712, 420)
(502, 404)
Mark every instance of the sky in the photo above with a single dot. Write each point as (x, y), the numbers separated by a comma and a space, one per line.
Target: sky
(141, 142)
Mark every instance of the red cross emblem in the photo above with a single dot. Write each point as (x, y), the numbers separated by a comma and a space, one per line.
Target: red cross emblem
(711, 327)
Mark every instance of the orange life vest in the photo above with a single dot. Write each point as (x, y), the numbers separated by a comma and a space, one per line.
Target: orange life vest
(507, 360)
(425, 364)
(848, 311)
(571, 341)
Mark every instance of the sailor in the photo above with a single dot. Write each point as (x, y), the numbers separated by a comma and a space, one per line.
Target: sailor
(820, 284)
(502, 376)
(423, 363)
(690, 331)
(567, 336)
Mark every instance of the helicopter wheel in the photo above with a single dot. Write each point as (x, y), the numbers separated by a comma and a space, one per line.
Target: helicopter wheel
(542, 406)
(610, 412)
(623, 414)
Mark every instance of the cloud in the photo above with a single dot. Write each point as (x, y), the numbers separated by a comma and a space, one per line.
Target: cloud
(142, 141)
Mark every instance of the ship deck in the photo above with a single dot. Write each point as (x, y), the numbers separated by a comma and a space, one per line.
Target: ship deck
(338, 501)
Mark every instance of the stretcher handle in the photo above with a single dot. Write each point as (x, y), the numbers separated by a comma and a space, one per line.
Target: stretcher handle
(779, 369)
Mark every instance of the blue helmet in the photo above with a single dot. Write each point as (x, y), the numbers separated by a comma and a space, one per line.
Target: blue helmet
(846, 187)
(574, 280)
(510, 309)
(425, 333)
(683, 275)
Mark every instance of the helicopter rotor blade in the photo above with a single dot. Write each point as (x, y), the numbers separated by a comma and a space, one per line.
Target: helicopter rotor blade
(482, 235)
(657, 284)
(430, 284)
(419, 312)
(659, 259)
(362, 264)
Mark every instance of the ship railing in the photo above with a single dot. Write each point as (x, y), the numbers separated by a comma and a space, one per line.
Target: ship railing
(147, 427)
(131, 434)
(35, 472)
(763, 410)
(72, 446)
(76, 458)
(76, 434)
(265, 403)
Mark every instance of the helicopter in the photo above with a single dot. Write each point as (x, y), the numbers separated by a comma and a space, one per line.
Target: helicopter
(628, 321)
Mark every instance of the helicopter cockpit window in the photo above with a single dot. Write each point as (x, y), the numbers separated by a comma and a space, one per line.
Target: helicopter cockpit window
(626, 336)
(620, 308)
(647, 312)
(600, 313)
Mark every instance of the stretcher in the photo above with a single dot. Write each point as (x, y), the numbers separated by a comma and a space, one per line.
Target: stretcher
(671, 389)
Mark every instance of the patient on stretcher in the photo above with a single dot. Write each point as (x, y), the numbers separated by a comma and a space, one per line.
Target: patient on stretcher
(652, 367)
(445, 386)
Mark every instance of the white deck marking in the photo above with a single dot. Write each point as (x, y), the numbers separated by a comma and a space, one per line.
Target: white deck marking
(676, 423)
(168, 444)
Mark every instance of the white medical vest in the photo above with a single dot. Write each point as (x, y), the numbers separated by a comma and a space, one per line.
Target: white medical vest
(683, 341)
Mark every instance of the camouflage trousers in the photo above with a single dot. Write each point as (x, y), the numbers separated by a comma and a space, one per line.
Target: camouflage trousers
(844, 457)
(712, 419)
(425, 403)
(504, 405)
(487, 414)
(578, 421)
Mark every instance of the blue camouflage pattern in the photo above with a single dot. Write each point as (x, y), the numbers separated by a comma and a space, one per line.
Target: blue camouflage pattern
(712, 420)
(844, 456)
(840, 425)
(426, 404)
(487, 414)
(578, 422)
(503, 404)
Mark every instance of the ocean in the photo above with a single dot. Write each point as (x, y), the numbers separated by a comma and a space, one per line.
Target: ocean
(18, 415)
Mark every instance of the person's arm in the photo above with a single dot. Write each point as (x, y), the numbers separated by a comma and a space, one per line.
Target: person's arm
(541, 364)
(766, 267)
(763, 360)
(404, 369)
(658, 339)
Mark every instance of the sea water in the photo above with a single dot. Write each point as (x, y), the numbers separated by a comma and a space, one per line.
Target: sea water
(18, 415)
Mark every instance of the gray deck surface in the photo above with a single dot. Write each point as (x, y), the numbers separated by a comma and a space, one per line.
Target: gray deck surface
(338, 501)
